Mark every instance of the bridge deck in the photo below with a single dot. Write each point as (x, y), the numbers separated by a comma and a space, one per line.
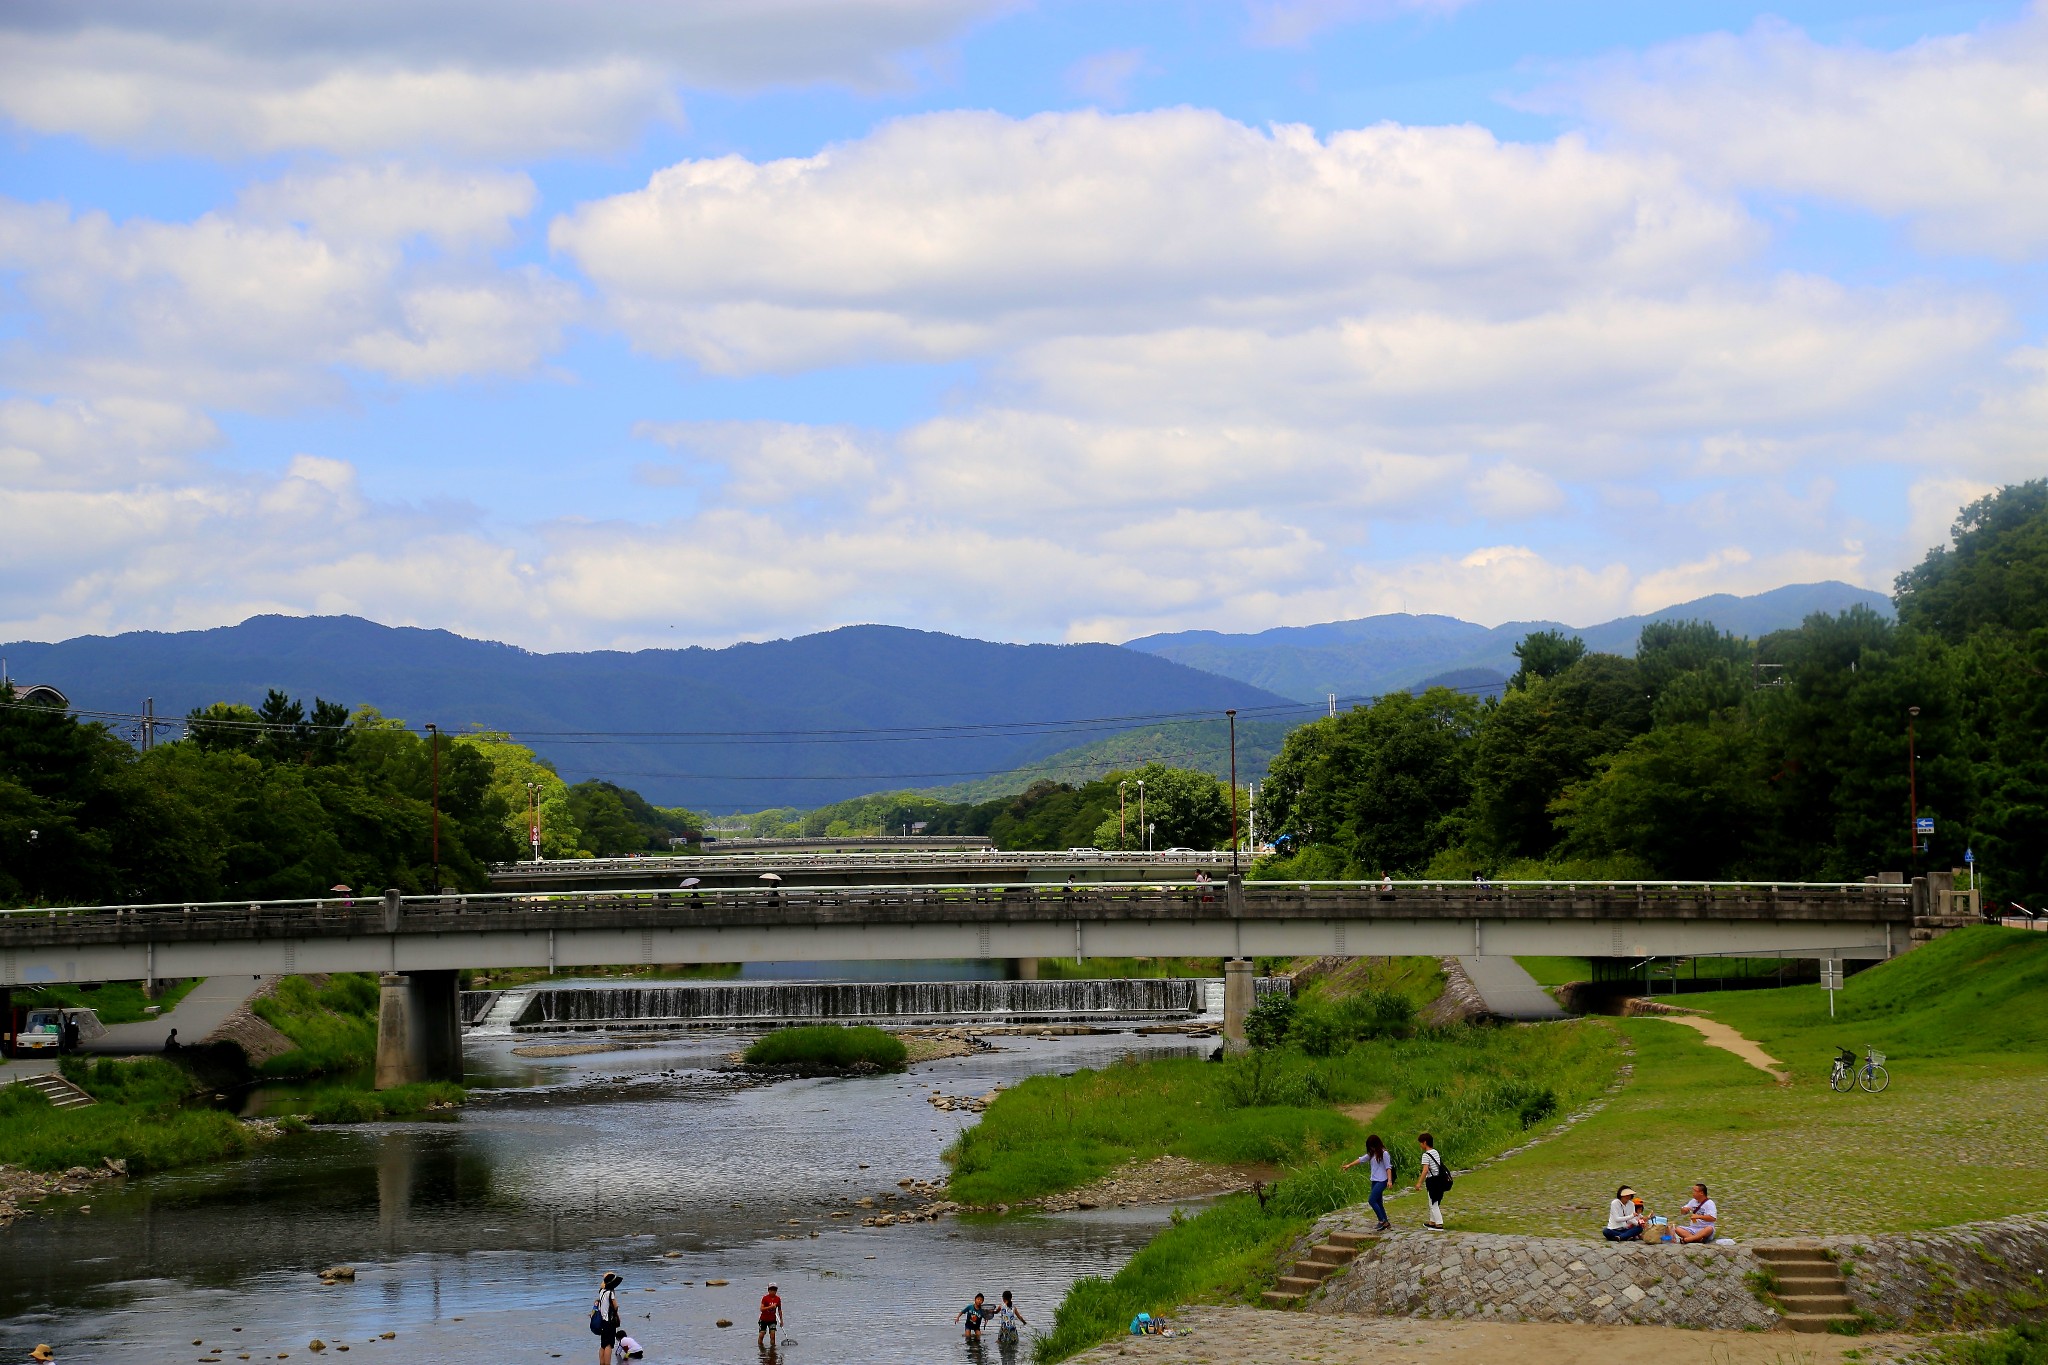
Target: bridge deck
(877, 922)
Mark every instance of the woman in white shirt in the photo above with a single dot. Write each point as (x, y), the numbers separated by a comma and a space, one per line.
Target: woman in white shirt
(1379, 1163)
(1624, 1224)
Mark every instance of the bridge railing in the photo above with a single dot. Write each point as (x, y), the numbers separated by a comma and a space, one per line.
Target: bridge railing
(368, 910)
(549, 867)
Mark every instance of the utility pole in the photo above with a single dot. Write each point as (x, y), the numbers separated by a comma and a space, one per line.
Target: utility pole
(1120, 813)
(148, 723)
(434, 735)
(1251, 816)
(1333, 705)
(533, 817)
(1143, 828)
(1233, 790)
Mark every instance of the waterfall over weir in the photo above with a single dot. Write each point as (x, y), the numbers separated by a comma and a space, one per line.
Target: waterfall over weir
(784, 1002)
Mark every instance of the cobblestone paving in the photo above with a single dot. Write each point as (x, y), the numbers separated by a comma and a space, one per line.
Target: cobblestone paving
(1250, 1336)
(1944, 1145)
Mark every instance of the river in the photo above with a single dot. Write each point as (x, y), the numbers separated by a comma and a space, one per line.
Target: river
(482, 1238)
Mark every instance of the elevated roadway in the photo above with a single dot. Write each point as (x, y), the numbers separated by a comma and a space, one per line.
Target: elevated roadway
(840, 867)
(1141, 918)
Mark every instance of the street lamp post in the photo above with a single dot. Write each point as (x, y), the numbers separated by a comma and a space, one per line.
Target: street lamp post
(1120, 813)
(533, 817)
(1233, 790)
(1143, 828)
(1912, 786)
(434, 736)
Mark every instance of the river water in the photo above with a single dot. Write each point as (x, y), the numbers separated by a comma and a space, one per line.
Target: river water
(482, 1239)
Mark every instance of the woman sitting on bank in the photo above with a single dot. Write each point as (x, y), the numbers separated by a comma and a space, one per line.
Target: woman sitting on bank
(1624, 1218)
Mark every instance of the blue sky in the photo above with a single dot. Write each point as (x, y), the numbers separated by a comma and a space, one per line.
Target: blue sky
(621, 324)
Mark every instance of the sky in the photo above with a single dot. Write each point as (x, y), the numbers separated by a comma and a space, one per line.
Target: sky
(624, 324)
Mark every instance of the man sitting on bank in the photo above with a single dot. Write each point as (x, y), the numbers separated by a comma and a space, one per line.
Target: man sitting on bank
(1700, 1216)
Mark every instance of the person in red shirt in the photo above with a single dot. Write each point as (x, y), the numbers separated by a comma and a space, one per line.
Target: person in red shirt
(771, 1318)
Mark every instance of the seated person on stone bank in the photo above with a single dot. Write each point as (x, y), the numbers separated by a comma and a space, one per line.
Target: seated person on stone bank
(1624, 1217)
(1700, 1218)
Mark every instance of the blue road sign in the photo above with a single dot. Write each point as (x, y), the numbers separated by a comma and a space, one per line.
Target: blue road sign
(1924, 825)
(1969, 856)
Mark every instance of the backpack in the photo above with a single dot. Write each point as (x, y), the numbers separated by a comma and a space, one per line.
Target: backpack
(598, 1324)
(1443, 1168)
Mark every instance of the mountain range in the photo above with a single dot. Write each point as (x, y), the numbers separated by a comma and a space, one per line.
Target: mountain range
(824, 717)
(785, 723)
(1376, 654)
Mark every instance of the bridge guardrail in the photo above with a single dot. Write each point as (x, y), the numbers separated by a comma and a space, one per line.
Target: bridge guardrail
(897, 858)
(720, 907)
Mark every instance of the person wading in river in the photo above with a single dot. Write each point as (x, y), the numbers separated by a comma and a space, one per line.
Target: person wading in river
(771, 1318)
(604, 1316)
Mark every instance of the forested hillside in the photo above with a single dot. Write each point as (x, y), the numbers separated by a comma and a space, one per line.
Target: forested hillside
(1711, 756)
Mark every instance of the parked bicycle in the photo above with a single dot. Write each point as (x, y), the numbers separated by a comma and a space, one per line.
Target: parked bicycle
(1871, 1075)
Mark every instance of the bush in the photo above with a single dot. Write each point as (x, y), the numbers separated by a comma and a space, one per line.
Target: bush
(2026, 1344)
(822, 1048)
(334, 1025)
(346, 1104)
(1269, 1022)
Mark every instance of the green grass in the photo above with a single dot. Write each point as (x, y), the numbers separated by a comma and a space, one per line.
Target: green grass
(115, 1002)
(1469, 1087)
(334, 1026)
(2023, 1345)
(352, 1104)
(1556, 971)
(1964, 1022)
(141, 1119)
(1419, 980)
(828, 1048)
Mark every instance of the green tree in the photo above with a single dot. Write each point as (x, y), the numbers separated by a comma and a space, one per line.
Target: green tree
(1539, 740)
(1692, 801)
(1545, 654)
(1186, 809)
(1994, 574)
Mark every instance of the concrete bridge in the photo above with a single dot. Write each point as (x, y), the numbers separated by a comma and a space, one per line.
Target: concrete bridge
(419, 943)
(841, 866)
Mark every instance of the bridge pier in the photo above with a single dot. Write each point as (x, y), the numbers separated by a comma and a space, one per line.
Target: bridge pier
(1237, 1001)
(419, 1029)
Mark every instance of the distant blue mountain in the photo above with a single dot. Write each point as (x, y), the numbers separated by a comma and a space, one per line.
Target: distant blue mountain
(859, 679)
(1378, 654)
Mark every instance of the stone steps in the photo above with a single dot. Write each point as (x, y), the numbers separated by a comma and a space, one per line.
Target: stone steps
(61, 1093)
(1321, 1261)
(1810, 1289)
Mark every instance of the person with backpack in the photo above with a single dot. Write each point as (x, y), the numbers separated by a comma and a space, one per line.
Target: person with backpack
(1435, 1177)
(604, 1316)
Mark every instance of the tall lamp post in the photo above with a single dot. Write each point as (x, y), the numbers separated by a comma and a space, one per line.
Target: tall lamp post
(434, 736)
(1143, 828)
(533, 817)
(1912, 786)
(1233, 790)
(1120, 813)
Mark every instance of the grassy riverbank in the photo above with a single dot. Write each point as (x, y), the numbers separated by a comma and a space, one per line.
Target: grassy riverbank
(1964, 1024)
(143, 1118)
(1479, 1090)
(115, 1002)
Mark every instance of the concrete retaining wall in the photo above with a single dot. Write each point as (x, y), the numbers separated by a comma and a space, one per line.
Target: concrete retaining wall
(1974, 1275)
(1548, 1279)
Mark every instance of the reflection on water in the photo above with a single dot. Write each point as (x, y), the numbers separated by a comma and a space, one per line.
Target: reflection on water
(483, 1239)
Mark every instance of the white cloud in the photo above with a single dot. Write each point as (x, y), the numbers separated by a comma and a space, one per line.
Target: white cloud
(72, 444)
(484, 77)
(227, 311)
(393, 203)
(951, 234)
(1950, 134)
(768, 462)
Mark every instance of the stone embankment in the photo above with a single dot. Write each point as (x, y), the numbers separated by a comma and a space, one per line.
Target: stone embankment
(1973, 1275)
(1548, 1279)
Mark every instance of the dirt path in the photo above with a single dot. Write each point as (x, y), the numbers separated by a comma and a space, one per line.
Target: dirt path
(1718, 1034)
(1251, 1336)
